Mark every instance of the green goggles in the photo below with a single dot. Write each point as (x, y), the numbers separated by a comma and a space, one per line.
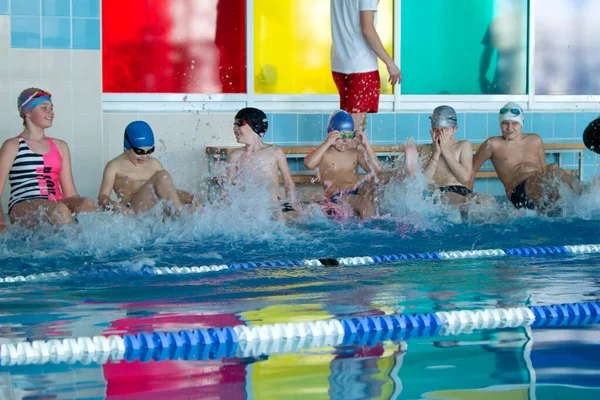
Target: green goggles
(347, 135)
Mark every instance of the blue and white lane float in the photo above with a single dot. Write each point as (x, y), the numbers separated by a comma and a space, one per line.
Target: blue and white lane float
(248, 341)
(330, 262)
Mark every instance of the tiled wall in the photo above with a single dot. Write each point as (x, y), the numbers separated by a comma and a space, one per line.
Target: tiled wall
(54, 24)
(40, 42)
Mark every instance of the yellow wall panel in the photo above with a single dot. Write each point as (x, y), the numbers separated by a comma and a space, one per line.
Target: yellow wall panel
(292, 41)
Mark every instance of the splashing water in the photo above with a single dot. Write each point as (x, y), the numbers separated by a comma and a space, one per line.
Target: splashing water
(243, 228)
(403, 199)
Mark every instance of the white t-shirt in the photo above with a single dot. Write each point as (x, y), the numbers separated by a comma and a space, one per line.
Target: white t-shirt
(350, 52)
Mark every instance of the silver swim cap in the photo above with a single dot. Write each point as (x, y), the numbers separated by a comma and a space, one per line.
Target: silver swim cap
(443, 116)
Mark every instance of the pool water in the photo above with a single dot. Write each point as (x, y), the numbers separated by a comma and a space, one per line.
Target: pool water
(106, 293)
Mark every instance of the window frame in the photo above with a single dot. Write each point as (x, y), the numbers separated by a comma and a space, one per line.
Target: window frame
(319, 103)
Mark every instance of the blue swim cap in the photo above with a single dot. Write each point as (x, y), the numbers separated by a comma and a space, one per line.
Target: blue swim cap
(341, 121)
(138, 134)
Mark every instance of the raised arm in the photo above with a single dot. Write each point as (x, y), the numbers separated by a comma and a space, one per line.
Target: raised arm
(313, 159)
(8, 152)
(368, 156)
(65, 175)
(431, 158)
(288, 182)
(367, 25)
(484, 153)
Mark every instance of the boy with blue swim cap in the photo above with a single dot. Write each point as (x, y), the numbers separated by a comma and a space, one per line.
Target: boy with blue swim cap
(139, 180)
(337, 160)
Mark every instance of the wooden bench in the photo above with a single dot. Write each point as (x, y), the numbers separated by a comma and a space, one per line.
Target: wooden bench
(299, 152)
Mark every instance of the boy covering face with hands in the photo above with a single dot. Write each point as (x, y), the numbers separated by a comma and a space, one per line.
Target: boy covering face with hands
(447, 161)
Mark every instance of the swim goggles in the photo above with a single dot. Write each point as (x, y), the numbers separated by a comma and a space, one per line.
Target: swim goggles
(349, 135)
(139, 151)
(35, 95)
(514, 111)
(240, 122)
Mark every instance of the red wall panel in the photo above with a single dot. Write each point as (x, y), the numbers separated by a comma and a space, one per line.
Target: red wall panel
(174, 46)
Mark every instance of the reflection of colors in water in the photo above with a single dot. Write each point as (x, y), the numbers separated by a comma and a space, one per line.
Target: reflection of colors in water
(95, 299)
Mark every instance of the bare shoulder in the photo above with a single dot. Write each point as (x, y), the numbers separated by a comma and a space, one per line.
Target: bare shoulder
(235, 154)
(533, 137)
(60, 143)
(155, 164)
(115, 164)
(10, 148)
(276, 150)
(12, 143)
(494, 141)
(465, 145)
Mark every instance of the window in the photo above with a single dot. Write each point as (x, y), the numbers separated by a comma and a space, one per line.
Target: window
(464, 46)
(292, 42)
(174, 46)
(567, 59)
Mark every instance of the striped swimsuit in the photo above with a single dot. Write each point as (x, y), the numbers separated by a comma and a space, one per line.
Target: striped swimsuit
(35, 176)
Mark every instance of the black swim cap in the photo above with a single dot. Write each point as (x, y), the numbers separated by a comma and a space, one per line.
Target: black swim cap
(255, 118)
(591, 136)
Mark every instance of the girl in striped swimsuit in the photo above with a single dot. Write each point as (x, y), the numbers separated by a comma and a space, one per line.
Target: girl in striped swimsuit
(38, 169)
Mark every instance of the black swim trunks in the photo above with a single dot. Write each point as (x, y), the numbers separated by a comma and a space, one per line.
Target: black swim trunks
(458, 189)
(330, 207)
(519, 197)
(286, 207)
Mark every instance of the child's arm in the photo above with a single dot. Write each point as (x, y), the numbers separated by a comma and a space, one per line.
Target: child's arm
(8, 152)
(313, 159)
(370, 157)
(288, 182)
(484, 153)
(433, 158)
(65, 175)
(541, 151)
(106, 187)
(232, 163)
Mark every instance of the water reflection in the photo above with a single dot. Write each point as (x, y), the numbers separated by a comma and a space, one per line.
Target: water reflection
(506, 38)
(567, 60)
(505, 363)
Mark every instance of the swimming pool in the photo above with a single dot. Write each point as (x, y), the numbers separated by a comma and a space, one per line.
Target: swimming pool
(109, 292)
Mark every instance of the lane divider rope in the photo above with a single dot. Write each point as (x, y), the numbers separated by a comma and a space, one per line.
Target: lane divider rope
(249, 341)
(327, 262)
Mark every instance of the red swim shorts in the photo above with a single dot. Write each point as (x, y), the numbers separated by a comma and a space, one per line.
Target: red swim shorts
(358, 92)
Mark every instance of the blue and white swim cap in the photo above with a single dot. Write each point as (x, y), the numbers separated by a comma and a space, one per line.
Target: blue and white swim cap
(341, 121)
(138, 134)
(512, 112)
